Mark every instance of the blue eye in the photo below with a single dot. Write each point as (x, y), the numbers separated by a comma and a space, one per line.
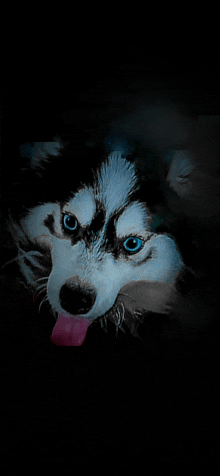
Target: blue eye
(133, 244)
(70, 222)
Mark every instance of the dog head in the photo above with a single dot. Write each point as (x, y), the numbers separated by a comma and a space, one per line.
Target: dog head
(81, 252)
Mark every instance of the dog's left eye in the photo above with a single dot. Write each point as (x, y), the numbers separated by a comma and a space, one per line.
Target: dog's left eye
(133, 244)
(70, 222)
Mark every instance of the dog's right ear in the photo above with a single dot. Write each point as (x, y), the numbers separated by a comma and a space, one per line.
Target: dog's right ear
(114, 143)
(39, 153)
(180, 171)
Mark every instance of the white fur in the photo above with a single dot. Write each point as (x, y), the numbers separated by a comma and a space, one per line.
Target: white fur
(134, 219)
(115, 182)
(84, 213)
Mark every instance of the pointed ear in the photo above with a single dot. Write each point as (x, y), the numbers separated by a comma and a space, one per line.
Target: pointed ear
(180, 172)
(114, 143)
(41, 152)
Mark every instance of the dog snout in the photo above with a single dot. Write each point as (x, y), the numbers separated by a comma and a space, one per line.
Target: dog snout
(76, 299)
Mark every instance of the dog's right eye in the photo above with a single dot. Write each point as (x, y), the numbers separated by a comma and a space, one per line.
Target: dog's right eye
(70, 222)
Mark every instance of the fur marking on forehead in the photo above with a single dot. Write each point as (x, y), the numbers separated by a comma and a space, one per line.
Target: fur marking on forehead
(116, 181)
(83, 206)
(134, 219)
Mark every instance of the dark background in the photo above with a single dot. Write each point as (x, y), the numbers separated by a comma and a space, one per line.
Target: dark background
(110, 398)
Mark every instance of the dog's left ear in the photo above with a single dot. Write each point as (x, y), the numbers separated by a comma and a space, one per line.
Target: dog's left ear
(40, 152)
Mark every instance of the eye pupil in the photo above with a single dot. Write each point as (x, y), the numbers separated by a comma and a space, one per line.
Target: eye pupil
(132, 243)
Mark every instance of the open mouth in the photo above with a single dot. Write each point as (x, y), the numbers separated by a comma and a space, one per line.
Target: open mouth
(72, 330)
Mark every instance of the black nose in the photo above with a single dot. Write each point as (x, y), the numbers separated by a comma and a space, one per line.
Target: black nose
(75, 299)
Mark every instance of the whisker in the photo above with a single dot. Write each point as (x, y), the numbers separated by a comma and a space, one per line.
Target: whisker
(127, 295)
(119, 318)
(40, 292)
(12, 261)
(123, 311)
(44, 286)
(44, 300)
(139, 316)
(41, 279)
(28, 255)
(123, 294)
(104, 326)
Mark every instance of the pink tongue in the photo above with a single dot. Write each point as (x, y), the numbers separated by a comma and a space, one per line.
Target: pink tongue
(70, 330)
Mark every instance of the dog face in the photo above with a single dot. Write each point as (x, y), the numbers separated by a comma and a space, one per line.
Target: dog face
(94, 243)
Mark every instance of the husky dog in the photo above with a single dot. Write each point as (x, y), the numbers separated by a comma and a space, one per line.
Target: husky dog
(83, 255)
